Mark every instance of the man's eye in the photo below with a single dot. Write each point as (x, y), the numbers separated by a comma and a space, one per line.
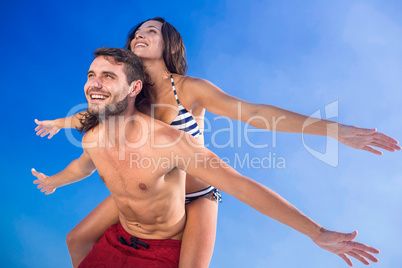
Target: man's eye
(90, 75)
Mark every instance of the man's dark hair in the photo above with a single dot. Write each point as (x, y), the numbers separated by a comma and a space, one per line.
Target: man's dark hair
(174, 51)
(133, 69)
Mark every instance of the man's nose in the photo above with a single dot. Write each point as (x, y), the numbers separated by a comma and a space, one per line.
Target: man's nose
(96, 83)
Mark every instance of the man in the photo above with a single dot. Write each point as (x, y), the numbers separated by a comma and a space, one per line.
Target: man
(119, 141)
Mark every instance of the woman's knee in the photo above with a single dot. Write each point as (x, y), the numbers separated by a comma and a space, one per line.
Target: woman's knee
(72, 239)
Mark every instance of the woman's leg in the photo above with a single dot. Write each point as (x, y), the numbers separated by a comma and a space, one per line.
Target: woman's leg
(199, 233)
(87, 232)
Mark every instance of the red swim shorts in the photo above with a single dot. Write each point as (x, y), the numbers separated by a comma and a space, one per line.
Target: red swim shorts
(117, 248)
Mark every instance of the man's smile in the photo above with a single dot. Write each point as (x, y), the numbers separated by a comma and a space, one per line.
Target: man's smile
(98, 97)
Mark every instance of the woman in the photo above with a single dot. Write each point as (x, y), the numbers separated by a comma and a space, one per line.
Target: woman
(181, 101)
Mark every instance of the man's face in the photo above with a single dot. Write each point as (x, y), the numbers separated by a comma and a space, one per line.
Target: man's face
(106, 89)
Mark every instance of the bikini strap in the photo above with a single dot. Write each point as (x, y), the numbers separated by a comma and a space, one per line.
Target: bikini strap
(174, 89)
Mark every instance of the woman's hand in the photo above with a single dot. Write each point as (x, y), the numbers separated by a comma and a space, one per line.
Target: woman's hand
(342, 245)
(365, 139)
(46, 127)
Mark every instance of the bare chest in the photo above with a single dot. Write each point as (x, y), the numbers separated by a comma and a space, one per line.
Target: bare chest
(132, 174)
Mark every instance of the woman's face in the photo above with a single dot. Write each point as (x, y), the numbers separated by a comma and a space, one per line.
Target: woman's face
(148, 41)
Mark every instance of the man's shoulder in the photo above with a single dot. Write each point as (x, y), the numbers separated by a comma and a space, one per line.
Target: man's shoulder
(171, 137)
(165, 132)
(91, 135)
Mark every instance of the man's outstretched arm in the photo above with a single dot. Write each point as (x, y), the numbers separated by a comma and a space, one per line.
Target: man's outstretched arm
(206, 166)
(77, 170)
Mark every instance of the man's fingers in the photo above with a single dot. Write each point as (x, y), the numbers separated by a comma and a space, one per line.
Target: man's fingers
(366, 255)
(37, 128)
(360, 246)
(40, 186)
(346, 259)
(50, 136)
(44, 134)
(40, 131)
(358, 257)
(37, 174)
(348, 236)
(38, 123)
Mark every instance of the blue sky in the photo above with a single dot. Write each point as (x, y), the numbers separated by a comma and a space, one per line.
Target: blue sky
(297, 55)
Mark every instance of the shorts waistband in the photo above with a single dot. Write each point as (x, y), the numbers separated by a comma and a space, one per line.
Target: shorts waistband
(151, 242)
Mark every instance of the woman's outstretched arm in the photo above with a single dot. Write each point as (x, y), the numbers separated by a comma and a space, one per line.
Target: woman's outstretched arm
(51, 127)
(274, 118)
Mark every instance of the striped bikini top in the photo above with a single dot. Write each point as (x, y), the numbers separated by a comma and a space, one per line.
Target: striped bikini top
(184, 120)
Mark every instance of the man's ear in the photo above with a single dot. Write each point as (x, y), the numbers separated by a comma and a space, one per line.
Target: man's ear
(135, 88)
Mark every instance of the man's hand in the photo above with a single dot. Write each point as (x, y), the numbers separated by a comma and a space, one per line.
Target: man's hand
(364, 139)
(43, 182)
(46, 127)
(342, 244)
